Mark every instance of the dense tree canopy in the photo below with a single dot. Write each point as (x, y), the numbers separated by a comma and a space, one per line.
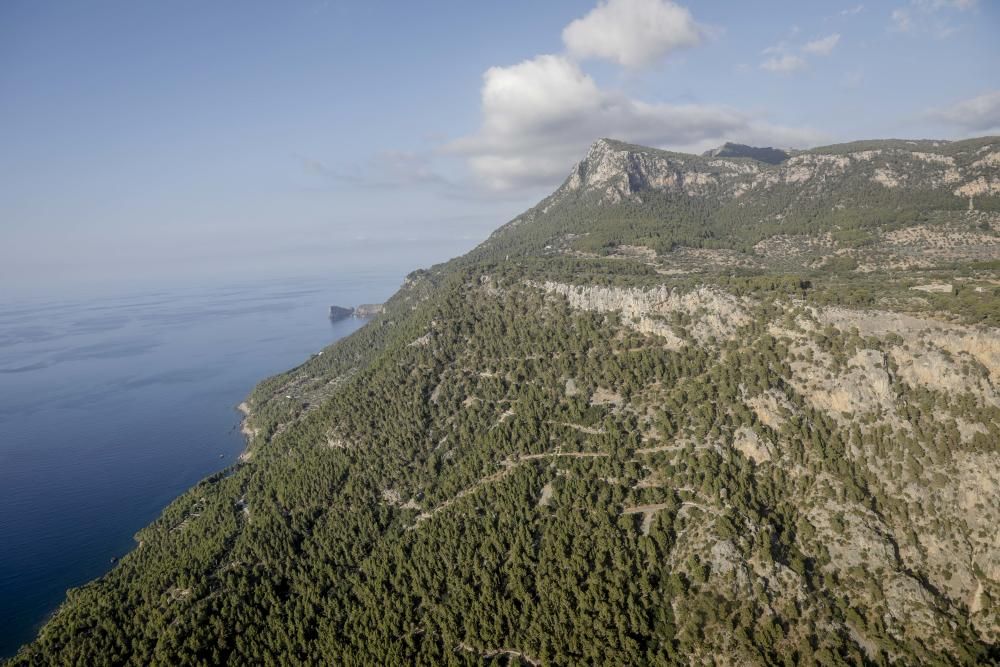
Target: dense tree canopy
(489, 472)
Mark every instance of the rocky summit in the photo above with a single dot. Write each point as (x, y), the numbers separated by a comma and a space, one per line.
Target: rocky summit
(689, 409)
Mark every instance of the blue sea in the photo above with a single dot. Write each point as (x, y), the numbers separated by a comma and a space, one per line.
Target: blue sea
(113, 405)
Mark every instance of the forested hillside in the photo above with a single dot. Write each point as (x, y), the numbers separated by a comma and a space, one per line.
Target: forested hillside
(687, 410)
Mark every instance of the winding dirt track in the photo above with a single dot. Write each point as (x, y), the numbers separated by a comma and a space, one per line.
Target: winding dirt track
(509, 467)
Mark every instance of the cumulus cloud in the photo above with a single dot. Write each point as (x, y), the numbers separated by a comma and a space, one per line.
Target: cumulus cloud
(977, 114)
(823, 46)
(786, 59)
(539, 116)
(786, 63)
(632, 33)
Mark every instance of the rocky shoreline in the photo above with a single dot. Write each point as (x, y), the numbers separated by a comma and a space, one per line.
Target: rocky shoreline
(362, 311)
(247, 430)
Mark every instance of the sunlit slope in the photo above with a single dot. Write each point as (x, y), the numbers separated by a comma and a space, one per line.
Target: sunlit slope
(688, 409)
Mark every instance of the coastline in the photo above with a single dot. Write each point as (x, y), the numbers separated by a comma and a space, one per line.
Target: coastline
(247, 430)
(87, 540)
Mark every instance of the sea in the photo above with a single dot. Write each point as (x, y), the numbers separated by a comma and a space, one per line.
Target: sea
(113, 405)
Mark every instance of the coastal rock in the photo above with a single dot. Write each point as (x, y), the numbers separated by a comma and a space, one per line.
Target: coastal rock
(340, 313)
(367, 310)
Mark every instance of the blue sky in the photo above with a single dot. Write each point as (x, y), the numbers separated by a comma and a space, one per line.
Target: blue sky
(144, 141)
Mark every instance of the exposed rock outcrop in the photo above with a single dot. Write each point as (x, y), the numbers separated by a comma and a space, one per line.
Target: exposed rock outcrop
(714, 312)
(367, 310)
(340, 313)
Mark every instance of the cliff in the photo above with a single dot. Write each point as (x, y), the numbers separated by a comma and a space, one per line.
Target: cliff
(339, 312)
(367, 310)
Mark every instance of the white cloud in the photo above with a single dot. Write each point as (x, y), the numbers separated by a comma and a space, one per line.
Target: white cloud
(780, 47)
(539, 116)
(785, 59)
(852, 11)
(632, 33)
(901, 20)
(977, 114)
(822, 47)
(960, 5)
(931, 16)
(786, 63)
(541, 90)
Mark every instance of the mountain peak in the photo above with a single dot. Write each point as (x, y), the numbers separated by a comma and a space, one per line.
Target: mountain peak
(620, 169)
(608, 143)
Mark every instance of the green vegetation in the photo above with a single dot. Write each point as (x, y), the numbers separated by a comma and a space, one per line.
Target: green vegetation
(696, 458)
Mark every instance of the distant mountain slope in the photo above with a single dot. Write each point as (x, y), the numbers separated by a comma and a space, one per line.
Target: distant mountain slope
(686, 410)
(769, 155)
(629, 194)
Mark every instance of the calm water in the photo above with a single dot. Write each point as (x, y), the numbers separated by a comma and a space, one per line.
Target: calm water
(111, 407)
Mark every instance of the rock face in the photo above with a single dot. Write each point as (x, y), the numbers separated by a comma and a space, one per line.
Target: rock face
(340, 313)
(620, 171)
(890, 203)
(715, 312)
(367, 310)
(362, 311)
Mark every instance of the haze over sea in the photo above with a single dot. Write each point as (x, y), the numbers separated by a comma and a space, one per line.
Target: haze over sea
(111, 406)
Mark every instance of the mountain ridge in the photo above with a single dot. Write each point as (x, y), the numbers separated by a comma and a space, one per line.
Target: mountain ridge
(761, 154)
(686, 409)
(741, 201)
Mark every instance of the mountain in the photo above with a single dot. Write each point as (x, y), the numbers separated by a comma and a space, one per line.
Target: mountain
(769, 155)
(686, 410)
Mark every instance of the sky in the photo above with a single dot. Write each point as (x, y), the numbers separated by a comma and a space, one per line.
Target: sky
(145, 142)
